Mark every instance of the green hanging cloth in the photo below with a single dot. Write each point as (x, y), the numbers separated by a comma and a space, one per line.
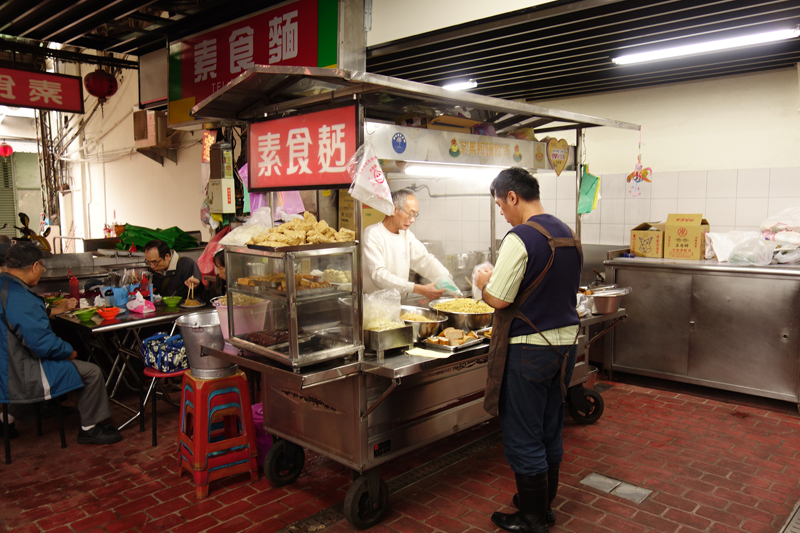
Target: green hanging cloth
(176, 238)
(589, 192)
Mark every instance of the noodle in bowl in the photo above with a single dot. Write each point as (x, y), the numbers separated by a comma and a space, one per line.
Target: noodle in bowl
(464, 320)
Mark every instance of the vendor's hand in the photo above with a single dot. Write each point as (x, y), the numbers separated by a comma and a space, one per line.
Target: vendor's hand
(482, 279)
(429, 291)
(192, 282)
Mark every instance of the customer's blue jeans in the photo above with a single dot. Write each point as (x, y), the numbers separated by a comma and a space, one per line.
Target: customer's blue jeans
(532, 406)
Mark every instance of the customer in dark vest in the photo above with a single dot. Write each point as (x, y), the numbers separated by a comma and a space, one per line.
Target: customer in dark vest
(35, 364)
(533, 289)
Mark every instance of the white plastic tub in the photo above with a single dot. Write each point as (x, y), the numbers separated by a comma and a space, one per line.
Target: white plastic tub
(247, 318)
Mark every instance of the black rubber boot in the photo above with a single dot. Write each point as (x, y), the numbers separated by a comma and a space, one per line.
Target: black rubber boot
(532, 495)
(552, 491)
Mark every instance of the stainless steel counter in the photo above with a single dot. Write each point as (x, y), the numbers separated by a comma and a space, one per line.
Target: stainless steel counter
(732, 327)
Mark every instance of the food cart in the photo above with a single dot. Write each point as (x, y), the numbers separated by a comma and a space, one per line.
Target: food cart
(319, 389)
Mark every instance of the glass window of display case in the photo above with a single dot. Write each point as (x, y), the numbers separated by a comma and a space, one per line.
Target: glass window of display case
(294, 304)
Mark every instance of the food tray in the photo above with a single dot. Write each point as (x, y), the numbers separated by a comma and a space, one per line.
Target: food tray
(453, 349)
(302, 247)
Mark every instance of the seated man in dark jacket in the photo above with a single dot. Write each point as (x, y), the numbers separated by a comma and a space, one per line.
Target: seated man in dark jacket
(35, 364)
(169, 270)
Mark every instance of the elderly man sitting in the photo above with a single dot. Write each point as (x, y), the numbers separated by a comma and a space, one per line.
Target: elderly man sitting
(35, 364)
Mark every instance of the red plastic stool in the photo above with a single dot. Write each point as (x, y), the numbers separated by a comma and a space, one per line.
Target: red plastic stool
(217, 437)
(152, 393)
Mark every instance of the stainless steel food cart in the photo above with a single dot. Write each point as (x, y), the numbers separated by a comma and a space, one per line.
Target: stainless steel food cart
(363, 411)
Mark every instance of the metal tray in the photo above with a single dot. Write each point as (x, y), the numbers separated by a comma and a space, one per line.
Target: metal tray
(453, 349)
(302, 247)
(481, 333)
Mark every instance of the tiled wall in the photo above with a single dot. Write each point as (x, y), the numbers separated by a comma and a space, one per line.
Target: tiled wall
(729, 199)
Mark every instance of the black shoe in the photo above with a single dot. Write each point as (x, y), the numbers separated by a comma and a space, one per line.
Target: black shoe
(532, 492)
(12, 431)
(99, 434)
(552, 491)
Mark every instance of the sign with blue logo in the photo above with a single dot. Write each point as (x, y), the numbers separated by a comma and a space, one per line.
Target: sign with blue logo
(399, 142)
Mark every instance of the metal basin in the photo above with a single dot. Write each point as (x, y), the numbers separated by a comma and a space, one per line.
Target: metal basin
(605, 305)
(202, 329)
(423, 330)
(464, 321)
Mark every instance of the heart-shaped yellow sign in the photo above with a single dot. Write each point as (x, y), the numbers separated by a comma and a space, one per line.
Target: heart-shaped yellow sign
(557, 154)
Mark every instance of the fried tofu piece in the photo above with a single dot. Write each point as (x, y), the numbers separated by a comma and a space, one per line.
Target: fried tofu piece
(246, 281)
(309, 218)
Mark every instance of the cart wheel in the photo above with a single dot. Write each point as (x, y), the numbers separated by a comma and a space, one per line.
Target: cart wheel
(279, 469)
(593, 413)
(357, 509)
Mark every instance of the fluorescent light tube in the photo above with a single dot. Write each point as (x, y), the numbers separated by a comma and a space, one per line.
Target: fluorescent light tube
(710, 46)
(461, 85)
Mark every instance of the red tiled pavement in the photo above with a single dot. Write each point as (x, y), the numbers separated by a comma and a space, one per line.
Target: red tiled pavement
(715, 461)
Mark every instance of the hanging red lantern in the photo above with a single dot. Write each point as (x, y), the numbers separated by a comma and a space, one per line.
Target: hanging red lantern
(100, 84)
(5, 149)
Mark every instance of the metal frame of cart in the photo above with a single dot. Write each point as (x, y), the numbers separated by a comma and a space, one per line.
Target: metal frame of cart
(364, 413)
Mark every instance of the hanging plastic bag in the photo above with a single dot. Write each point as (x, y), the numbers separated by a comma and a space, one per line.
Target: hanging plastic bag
(382, 310)
(753, 252)
(369, 183)
(206, 260)
(449, 287)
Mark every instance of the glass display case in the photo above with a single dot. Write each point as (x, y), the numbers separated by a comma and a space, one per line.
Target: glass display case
(295, 304)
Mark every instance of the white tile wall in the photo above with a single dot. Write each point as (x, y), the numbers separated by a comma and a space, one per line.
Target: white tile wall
(730, 200)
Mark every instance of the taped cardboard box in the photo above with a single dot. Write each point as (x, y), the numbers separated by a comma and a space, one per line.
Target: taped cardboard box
(685, 236)
(647, 239)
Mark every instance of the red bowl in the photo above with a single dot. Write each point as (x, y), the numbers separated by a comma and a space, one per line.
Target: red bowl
(108, 312)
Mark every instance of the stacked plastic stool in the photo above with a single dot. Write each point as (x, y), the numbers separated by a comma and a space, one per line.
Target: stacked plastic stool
(217, 436)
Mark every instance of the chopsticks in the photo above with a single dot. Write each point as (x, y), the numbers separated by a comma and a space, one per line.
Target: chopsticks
(470, 284)
(191, 293)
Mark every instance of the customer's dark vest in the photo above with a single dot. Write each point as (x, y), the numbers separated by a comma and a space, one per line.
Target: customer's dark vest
(552, 304)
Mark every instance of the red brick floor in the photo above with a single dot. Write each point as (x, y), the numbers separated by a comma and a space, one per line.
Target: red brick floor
(716, 462)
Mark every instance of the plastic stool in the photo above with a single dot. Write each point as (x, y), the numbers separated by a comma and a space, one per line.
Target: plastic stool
(152, 393)
(217, 438)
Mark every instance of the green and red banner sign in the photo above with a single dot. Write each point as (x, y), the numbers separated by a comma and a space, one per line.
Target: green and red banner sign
(301, 33)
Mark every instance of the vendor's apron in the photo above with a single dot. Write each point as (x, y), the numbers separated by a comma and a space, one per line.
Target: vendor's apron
(501, 325)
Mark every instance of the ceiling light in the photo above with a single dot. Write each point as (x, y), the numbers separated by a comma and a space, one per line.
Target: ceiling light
(461, 85)
(710, 46)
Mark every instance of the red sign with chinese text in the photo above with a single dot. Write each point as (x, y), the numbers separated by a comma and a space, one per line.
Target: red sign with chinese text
(303, 152)
(286, 35)
(41, 90)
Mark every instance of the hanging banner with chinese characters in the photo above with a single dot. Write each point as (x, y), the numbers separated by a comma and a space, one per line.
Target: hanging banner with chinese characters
(41, 90)
(301, 33)
(303, 152)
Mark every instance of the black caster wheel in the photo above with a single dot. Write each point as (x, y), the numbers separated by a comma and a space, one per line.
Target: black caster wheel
(357, 507)
(591, 412)
(279, 468)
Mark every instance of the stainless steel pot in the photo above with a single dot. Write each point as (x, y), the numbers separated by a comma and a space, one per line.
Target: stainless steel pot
(202, 329)
(423, 330)
(464, 321)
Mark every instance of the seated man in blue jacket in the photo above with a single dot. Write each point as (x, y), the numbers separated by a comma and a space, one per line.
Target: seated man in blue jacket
(35, 364)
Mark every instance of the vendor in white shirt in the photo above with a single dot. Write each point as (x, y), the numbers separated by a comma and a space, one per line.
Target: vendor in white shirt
(390, 250)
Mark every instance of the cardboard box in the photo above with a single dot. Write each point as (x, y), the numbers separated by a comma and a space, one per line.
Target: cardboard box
(685, 236)
(369, 215)
(456, 124)
(647, 239)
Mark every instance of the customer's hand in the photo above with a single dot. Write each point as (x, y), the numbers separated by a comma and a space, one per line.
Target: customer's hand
(72, 356)
(429, 291)
(192, 282)
(67, 304)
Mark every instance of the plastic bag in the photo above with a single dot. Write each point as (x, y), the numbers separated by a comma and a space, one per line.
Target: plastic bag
(369, 183)
(754, 252)
(140, 305)
(449, 287)
(206, 260)
(477, 294)
(786, 220)
(261, 216)
(382, 310)
(720, 245)
(787, 255)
